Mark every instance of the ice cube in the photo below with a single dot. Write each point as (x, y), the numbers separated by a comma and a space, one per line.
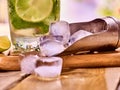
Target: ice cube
(60, 28)
(28, 64)
(51, 47)
(79, 35)
(49, 67)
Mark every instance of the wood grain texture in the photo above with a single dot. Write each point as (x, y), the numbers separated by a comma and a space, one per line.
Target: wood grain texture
(9, 63)
(78, 79)
(74, 61)
(92, 60)
(75, 79)
(7, 79)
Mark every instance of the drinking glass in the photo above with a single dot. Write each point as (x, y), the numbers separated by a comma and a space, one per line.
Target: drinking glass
(28, 20)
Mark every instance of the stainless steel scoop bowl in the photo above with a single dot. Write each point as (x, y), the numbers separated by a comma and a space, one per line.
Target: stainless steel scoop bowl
(106, 35)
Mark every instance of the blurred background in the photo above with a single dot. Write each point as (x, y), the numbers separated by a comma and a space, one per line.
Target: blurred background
(71, 11)
(82, 10)
(77, 10)
(3, 11)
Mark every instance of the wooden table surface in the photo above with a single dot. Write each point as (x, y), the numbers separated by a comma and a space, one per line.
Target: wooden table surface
(72, 79)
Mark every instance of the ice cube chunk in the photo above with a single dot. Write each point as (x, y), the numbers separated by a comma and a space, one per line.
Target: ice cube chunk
(28, 64)
(51, 47)
(60, 28)
(49, 67)
(79, 35)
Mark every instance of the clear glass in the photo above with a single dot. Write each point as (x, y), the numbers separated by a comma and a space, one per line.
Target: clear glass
(25, 32)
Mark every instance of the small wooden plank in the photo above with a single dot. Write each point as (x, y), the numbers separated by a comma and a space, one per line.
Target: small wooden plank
(74, 61)
(92, 60)
(9, 63)
(76, 79)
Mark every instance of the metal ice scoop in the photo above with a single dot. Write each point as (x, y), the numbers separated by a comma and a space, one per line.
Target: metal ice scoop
(101, 34)
(106, 33)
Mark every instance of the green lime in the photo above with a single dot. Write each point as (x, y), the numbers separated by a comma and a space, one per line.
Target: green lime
(33, 10)
(4, 43)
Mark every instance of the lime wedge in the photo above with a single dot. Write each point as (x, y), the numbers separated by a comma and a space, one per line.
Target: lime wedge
(4, 43)
(33, 10)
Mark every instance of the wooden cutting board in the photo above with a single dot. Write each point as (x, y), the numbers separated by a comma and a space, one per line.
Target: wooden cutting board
(109, 59)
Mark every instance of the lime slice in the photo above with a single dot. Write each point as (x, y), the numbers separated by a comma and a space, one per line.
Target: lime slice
(4, 43)
(33, 10)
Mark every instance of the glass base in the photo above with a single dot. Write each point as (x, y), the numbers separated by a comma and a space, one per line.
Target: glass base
(47, 78)
(25, 44)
